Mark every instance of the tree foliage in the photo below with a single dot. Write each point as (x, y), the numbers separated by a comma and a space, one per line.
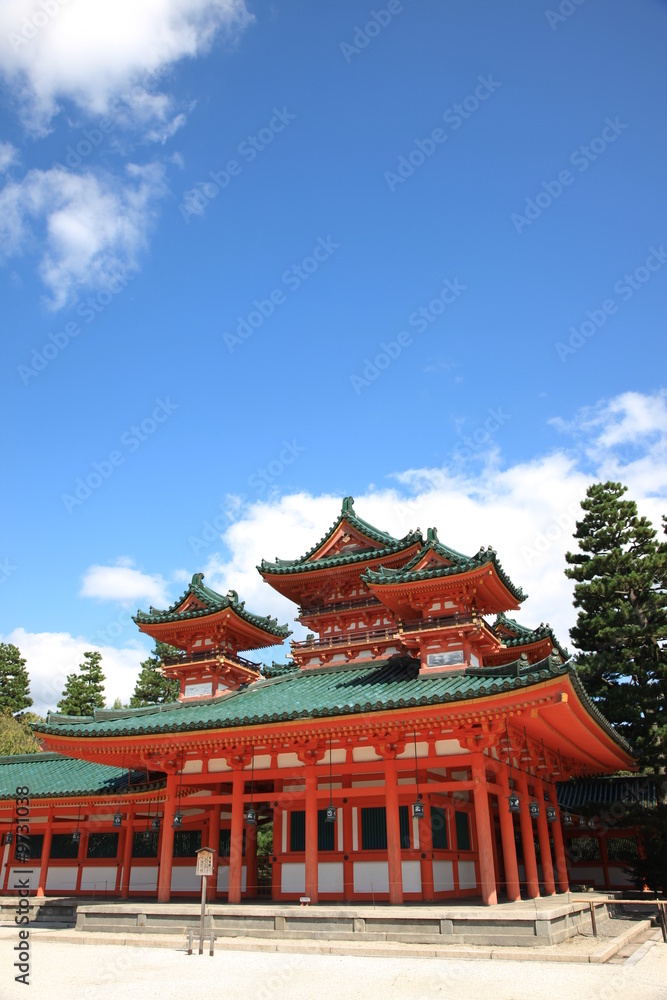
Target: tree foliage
(84, 691)
(16, 735)
(620, 572)
(152, 687)
(14, 680)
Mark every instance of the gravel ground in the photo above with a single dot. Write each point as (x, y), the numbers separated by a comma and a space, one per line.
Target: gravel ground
(63, 971)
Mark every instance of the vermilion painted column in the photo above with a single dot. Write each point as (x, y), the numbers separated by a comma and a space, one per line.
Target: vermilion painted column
(251, 860)
(545, 846)
(81, 858)
(426, 849)
(46, 850)
(393, 832)
(214, 844)
(346, 847)
(278, 820)
(127, 856)
(559, 852)
(512, 886)
(483, 824)
(167, 841)
(311, 833)
(527, 840)
(236, 837)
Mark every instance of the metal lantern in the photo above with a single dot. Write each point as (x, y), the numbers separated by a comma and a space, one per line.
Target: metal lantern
(331, 814)
(534, 809)
(9, 838)
(251, 817)
(76, 836)
(418, 809)
(146, 836)
(514, 803)
(551, 814)
(567, 819)
(118, 819)
(178, 820)
(155, 823)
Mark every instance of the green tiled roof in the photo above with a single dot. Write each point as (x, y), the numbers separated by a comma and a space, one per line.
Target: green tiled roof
(524, 636)
(212, 602)
(385, 545)
(462, 564)
(51, 775)
(321, 692)
(640, 789)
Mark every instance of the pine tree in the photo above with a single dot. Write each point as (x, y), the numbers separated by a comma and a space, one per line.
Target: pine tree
(16, 735)
(619, 575)
(84, 692)
(14, 680)
(152, 687)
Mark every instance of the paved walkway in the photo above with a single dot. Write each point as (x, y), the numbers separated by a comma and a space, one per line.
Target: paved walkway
(63, 971)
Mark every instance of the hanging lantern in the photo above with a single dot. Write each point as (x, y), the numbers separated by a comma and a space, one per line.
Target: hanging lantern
(251, 817)
(118, 819)
(534, 809)
(146, 836)
(418, 808)
(76, 836)
(155, 823)
(178, 820)
(513, 800)
(514, 803)
(331, 814)
(567, 819)
(551, 814)
(9, 838)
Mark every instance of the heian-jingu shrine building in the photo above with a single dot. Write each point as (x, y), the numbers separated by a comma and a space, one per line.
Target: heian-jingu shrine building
(409, 751)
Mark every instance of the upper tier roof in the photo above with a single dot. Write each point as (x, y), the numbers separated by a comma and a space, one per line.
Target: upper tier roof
(454, 564)
(379, 544)
(199, 601)
(521, 635)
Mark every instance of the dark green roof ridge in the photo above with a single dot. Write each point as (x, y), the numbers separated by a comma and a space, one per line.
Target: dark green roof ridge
(528, 635)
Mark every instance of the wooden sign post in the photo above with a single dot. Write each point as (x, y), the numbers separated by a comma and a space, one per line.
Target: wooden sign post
(204, 869)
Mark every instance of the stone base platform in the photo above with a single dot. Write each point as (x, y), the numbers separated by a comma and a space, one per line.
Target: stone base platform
(538, 922)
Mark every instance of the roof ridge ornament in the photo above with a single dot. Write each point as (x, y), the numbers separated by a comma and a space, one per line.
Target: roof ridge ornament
(197, 580)
(348, 506)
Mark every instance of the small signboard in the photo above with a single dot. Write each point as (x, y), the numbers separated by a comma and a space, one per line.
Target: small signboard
(205, 861)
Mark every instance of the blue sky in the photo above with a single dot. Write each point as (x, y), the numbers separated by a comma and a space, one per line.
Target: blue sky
(257, 257)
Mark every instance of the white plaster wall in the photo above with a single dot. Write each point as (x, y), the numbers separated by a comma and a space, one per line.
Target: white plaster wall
(185, 879)
(223, 878)
(29, 872)
(467, 878)
(61, 878)
(411, 876)
(143, 878)
(371, 876)
(293, 878)
(99, 879)
(443, 876)
(329, 876)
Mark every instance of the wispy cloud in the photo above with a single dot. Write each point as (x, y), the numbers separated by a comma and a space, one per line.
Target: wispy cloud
(84, 227)
(124, 582)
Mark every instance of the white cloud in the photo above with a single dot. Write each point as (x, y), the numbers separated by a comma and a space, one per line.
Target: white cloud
(51, 656)
(107, 57)
(86, 227)
(9, 155)
(122, 582)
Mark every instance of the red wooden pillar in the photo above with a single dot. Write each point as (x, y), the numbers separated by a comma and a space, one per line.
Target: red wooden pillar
(512, 886)
(545, 846)
(46, 850)
(393, 831)
(167, 842)
(278, 820)
(236, 836)
(127, 855)
(559, 853)
(426, 849)
(527, 841)
(346, 846)
(311, 833)
(484, 838)
(251, 860)
(214, 844)
(81, 858)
